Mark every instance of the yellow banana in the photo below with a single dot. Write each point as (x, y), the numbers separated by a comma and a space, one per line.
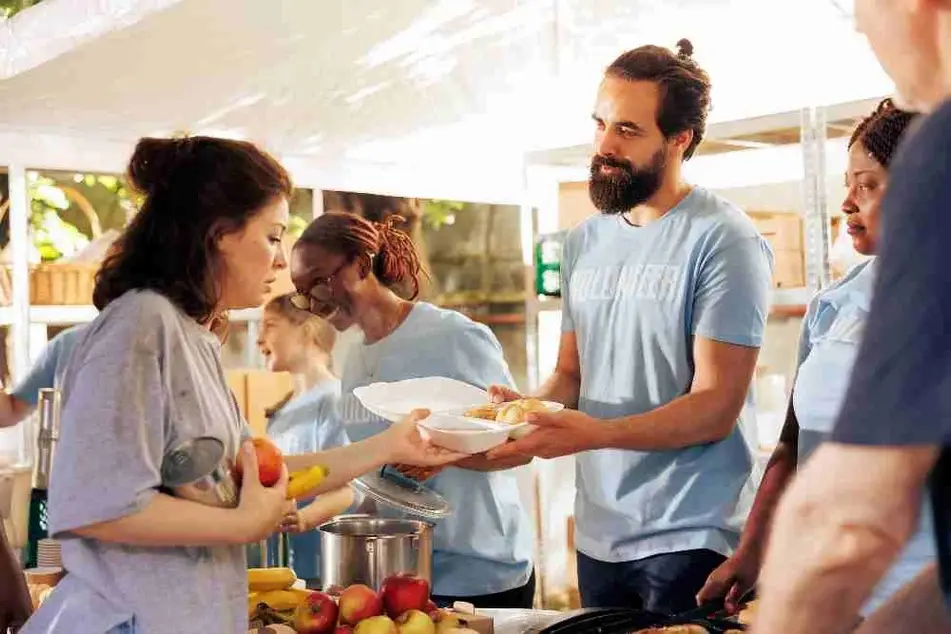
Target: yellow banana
(301, 482)
(279, 599)
(265, 579)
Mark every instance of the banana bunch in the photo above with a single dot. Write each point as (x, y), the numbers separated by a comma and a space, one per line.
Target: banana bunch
(277, 600)
(301, 482)
(267, 579)
(272, 588)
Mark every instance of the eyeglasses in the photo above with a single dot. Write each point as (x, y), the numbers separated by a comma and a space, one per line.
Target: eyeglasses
(319, 299)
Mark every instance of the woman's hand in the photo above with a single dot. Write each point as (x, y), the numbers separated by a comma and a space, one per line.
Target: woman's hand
(293, 522)
(731, 580)
(405, 445)
(260, 508)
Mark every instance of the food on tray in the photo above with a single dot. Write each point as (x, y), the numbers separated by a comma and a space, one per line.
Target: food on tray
(511, 413)
(402, 606)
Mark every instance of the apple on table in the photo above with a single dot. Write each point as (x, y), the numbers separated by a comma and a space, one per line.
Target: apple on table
(358, 603)
(403, 593)
(317, 614)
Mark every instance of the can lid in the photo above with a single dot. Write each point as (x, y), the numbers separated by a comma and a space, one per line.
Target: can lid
(191, 460)
(388, 486)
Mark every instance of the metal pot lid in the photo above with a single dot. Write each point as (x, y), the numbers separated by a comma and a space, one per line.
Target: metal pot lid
(191, 460)
(389, 486)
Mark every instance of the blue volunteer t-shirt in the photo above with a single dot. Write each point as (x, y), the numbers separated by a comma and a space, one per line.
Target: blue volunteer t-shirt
(308, 423)
(901, 388)
(636, 297)
(485, 545)
(48, 368)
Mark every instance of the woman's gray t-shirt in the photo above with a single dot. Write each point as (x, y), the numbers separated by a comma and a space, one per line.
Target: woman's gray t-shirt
(143, 378)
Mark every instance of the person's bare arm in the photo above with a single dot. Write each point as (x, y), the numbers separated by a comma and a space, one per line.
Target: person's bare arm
(706, 414)
(837, 529)
(564, 385)
(400, 444)
(322, 509)
(738, 574)
(12, 409)
(169, 521)
(918, 607)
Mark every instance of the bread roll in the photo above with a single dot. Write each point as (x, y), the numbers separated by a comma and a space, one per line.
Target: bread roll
(516, 412)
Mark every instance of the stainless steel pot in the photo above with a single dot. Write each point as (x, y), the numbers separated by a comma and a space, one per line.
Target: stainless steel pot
(366, 549)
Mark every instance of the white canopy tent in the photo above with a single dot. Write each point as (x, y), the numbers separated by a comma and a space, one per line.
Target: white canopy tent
(436, 98)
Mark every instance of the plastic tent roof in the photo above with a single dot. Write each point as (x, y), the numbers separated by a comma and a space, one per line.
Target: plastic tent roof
(436, 98)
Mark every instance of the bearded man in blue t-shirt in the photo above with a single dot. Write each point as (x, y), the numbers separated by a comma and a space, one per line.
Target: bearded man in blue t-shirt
(665, 296)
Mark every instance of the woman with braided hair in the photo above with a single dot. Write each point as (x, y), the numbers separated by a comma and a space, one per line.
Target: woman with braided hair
(832, 331)
(363, 274)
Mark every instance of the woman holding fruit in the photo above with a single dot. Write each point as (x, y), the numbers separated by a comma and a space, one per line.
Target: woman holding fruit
(146, 375)
(351, 271)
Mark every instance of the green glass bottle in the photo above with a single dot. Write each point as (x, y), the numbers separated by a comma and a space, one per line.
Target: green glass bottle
(548, 264)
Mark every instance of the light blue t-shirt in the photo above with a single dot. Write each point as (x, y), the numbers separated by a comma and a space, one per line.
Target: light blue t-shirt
(831, 337)
(48, 368)
(485, 546)
(635, 297)
(307, 423)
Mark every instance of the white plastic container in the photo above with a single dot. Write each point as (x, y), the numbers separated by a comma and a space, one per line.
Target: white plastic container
(446, 399)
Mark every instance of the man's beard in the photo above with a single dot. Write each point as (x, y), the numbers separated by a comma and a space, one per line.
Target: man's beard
(630, 187)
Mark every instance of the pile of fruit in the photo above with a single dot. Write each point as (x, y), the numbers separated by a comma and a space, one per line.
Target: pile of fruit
(402, 606)
(270, 464)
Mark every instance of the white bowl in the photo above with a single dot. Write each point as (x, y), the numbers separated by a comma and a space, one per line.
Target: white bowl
(394, 401)
(466, 435)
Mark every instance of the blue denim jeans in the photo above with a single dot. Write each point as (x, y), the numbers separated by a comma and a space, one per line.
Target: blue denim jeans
(667, 583)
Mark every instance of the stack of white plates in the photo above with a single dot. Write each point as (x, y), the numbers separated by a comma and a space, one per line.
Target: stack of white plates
(48, 554)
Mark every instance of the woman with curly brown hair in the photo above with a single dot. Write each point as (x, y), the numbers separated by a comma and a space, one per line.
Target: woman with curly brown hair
(831, 334)
(354, 272)
(146, 376)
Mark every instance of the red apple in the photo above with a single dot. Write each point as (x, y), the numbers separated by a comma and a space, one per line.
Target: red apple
(270, 462)
(359, 602)
(317, 614)
(402, 593)
(432, 610)
(376, 625)
(415, 622)
(343, 629)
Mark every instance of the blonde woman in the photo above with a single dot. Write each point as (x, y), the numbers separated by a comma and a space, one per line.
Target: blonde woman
(299, 343)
